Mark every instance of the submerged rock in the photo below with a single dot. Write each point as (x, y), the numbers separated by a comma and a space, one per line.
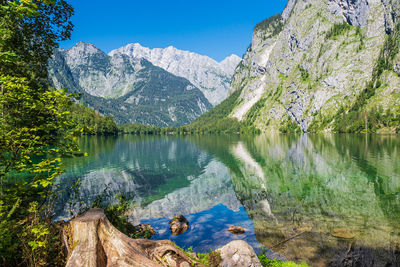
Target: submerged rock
(238, 253)
(237, 230)
(178, 225)
(342, 233)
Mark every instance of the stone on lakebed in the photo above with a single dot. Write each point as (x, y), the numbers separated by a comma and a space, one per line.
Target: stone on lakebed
(178, 225)
(237, 230)
(342, 233)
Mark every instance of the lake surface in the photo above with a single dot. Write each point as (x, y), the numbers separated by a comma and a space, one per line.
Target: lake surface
(324, 199)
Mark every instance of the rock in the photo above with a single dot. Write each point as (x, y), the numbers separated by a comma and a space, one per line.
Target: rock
(145, 229)
(238, 253)
(342, 233)
(355, 12)
(178, 225)
(288, 10)
(237, 230)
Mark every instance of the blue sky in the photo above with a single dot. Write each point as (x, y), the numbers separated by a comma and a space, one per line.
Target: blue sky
(216, 28)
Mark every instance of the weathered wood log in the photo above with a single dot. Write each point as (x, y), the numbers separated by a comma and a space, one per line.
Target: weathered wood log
(92, 241)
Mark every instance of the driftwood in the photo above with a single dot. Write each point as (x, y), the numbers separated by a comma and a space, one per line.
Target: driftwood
(92, 241)
(286, 240)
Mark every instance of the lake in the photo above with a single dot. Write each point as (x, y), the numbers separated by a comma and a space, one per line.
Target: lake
(331, 199)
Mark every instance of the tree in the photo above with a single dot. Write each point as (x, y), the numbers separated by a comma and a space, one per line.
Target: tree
(30, 31)
(34, 129)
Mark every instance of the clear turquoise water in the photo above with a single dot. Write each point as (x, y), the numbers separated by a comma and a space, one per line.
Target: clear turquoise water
(310, 187)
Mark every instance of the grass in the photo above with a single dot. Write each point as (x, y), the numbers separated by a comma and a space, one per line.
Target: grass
(211, 259)
(266, 262)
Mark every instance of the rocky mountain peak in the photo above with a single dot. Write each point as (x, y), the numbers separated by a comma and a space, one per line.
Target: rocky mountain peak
(130, 89)
(211, 77)
(83, 51)
(85, 48)
(230, 63)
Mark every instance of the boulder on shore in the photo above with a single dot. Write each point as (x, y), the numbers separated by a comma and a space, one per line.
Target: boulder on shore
(238, 253)
(178, 225)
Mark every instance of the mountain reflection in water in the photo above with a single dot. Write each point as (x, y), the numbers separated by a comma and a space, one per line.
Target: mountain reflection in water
(324, 199)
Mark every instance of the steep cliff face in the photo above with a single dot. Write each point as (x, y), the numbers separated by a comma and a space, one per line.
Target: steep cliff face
(130, 89)
(211, 77)
(318, 62)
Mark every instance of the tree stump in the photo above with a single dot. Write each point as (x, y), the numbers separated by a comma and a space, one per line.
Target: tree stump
(92, 241)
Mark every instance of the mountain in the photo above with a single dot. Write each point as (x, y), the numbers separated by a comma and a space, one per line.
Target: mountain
(132, 90)
(211, 77)
(322, 65)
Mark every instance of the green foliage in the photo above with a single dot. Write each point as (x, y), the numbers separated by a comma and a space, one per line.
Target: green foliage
(274, 23)
(304, 73)
(337, 30)
(362, 43)
(34, 130)
(93, 122)
(30, 124)
(216, 120)
(34, 135)
(254, 111)
(41, 239)
(30, 31)
(266, 262)
(390, 49)
(290, 126)
(212, 259)
(368, 121)
(140, 129)
(116, 213)
(366, 94)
